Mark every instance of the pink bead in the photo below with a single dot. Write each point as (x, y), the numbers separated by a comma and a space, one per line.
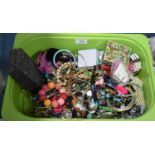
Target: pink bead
(61, 101)
(57, 86)
(42, 92)
(45, 87)
(99, 82)
(54, 104)
(121, 89)
(62, 90)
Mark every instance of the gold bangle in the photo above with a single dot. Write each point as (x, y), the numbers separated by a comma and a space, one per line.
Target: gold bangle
(125, 108)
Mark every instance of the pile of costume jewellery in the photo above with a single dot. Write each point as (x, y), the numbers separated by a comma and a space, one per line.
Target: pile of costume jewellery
(92, 84)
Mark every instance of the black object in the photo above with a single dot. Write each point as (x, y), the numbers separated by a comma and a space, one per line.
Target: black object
(25, 71)
(50, 54)
(93, 87)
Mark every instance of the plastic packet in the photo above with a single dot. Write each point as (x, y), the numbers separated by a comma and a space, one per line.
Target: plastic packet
(135, 64)
(119, 72)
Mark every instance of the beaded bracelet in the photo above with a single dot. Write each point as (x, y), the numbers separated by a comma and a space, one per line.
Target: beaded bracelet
(62, 79)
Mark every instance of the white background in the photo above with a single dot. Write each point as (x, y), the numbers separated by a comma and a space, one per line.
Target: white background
(89, 138)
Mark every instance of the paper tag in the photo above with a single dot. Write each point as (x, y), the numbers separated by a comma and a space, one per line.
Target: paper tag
(87, 58)
(81, 41)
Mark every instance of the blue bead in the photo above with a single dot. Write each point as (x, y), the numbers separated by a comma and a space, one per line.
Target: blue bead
(89, 115)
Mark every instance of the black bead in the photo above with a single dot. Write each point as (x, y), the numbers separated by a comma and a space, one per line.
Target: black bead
(85, 97)
(70, 106)
(49, 92)
(78, 93)
(70, 98)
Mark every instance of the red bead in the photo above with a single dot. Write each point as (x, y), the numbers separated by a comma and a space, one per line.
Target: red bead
(45, 87)
(55, 97)
(64, 96)
(106, 68)
(57, 110)
(42, 97)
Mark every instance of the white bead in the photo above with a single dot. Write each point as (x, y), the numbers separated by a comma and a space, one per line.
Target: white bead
(89, 93)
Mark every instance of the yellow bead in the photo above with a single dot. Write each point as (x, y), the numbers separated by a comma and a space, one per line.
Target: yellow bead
(47, 103)
(51, 85)
(74, 101)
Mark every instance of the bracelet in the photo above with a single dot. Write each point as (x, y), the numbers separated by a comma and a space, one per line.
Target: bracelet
(62, 50)
(62, 79)
(124, 108)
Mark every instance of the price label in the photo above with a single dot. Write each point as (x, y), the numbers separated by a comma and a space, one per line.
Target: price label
(81, 41)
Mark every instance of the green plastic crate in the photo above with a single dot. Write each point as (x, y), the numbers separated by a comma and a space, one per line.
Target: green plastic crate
(16, 102)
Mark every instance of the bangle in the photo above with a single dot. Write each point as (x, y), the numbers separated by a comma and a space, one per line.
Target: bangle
(62, 50)
(124, 108)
